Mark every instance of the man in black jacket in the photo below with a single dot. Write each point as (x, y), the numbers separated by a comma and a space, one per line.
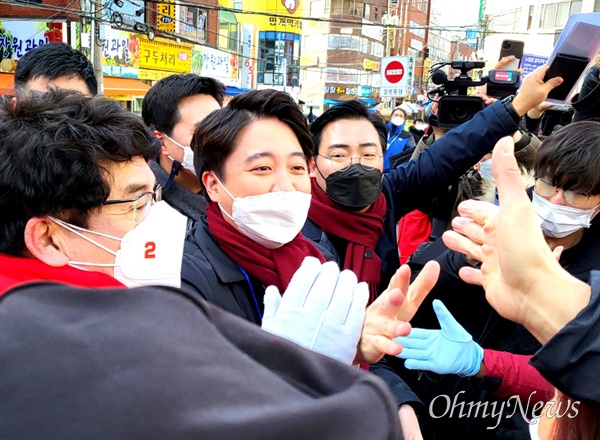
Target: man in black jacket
(154, 363)
(172, 108)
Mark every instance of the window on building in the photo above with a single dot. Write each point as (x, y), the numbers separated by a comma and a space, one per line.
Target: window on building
(345, 42)
(364, 45)
(237, 5)
(333, 41)
(530, 17)
(337, 6)
(517, 20)
(331, 75)
(367, 12)
(555, 15)
(228, 31)
(355, 43)
(279, 59)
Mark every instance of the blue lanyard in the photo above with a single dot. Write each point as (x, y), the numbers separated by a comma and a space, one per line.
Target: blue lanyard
(251, 291)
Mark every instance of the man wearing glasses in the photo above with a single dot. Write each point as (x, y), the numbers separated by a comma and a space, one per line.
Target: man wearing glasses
(77, 195)
(358, 206)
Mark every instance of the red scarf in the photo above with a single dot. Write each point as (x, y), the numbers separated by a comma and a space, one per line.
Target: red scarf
(362, 231)
(15, 271)
(270, 266)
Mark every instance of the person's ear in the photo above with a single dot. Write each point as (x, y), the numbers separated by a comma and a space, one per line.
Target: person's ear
(312, 167)
(43, 241)
(210, 183)
(163, 147)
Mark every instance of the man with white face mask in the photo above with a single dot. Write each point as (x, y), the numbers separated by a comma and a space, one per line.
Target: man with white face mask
(566, 201)
(81, 206)
(172, 108)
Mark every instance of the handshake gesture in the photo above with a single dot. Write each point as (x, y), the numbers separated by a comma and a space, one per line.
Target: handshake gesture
(325, 310)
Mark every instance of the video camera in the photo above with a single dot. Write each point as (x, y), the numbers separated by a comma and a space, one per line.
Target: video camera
(455, 107)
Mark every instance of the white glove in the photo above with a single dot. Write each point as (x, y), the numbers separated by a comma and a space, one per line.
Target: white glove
(322, 310)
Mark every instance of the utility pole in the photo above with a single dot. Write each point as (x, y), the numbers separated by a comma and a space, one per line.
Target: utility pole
(97, 44)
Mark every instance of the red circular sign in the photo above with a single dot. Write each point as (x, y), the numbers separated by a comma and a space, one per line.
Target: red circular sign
(394, 72)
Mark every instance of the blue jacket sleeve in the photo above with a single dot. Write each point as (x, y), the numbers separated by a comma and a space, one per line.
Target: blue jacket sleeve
(571, 359)
(412, 183)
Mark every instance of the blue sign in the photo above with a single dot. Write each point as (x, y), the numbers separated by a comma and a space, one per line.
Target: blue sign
(531, 62)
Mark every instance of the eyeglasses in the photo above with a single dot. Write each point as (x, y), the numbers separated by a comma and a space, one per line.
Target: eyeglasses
(139, 205)
(546, 189)
(341, 162)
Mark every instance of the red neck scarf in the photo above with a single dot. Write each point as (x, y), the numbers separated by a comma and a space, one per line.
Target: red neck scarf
(362, 231)
(15, 271)
(270, 266)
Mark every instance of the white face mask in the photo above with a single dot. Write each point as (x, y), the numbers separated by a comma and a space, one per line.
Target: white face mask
(188, 156)
(150, 254)
(558, 221)
(272, 219)
(421, 127)
(397, 121)
(485, 170)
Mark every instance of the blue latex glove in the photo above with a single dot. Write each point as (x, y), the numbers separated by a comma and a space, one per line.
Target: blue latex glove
(450, 350)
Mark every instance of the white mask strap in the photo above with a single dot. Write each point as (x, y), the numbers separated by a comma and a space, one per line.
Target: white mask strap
(228, 193)
(74, 229)
(175, 142)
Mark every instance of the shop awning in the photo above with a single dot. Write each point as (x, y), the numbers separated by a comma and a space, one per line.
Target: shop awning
(112, 86)
(234, 91)
(6, 84)
(124, 87)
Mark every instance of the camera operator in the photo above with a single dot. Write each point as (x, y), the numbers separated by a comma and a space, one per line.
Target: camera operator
(419, 227)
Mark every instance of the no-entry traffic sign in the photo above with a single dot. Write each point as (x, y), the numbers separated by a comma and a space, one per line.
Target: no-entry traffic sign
(396, 76)
(394, 72)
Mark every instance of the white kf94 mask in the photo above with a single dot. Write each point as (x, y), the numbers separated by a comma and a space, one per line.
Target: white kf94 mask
(150, 254)
(272, 219)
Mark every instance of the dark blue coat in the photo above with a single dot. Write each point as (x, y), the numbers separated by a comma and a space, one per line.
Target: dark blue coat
(414, 184)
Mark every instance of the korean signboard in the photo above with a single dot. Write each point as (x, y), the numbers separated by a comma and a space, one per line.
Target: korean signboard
(19, 37)
(121, 54)
(216, 64)
(157, 55)
(165, 19)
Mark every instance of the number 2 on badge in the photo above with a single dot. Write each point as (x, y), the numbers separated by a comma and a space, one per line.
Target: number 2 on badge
(150, 249)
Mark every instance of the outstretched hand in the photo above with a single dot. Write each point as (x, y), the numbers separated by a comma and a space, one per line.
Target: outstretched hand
(389, 314)
(519, 272)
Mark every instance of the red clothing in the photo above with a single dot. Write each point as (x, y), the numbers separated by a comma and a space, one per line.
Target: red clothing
(362, 231)
(15, 271)
(271, 266)
(413, 229)
(518, 377)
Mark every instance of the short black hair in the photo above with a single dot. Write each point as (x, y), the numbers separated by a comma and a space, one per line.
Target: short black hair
(570, 158)
(354, 109)
(215, 137)
(54, 60)
(159, 108)
(53, 147)
(399, 109)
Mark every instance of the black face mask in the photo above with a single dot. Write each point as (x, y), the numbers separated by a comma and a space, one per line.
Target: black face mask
(354, 188)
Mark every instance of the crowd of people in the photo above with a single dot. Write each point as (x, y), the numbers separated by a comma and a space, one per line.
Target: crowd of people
(211, 271)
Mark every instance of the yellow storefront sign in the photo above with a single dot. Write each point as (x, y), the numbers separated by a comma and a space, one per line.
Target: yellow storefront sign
(371, 65)
(165, 20)
(157, 55)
